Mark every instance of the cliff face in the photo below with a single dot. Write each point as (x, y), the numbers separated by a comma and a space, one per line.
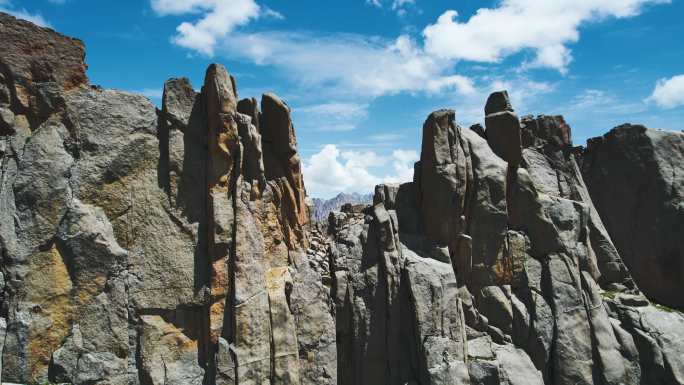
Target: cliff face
(540, 294)
(152, 247)
(636, 178)
(172, 246)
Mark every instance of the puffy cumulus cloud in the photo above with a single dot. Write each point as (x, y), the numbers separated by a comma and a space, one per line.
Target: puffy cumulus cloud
(669, 93)
(331, 170)
(359, 68)
(402, 164)
(218, 19)
(21, 13)
(546, 27)
(349, 64)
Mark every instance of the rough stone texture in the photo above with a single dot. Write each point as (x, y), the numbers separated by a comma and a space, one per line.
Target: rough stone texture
(497, 102)
(172, 246)
(444, 172)
(636, 179)
(526, 241)
(552, 164)
(150, 247)
(3, 331)
(36, 64)
(503, 128)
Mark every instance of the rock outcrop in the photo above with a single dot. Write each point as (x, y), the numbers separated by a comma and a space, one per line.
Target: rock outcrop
(150, 247)
(146, 246)
(635, 177)
(500, 265)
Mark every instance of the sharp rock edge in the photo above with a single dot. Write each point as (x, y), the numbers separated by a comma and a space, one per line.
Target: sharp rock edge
(177, 246)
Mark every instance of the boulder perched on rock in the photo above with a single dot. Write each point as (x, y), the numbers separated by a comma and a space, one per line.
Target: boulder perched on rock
(503, 128)
(635, 177)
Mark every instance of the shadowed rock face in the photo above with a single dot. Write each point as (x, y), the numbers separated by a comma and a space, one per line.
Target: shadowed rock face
(503, 128)
(636, 179)
(507, 270)
(143, 246)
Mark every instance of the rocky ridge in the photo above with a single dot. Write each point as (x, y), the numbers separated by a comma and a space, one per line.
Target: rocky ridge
(150, 246)
(322, 207)
(174, 246)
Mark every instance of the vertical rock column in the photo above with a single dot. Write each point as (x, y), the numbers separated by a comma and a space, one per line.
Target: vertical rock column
(256, 217)
(223, 154)
(239, 310)
(503, 136)
(282, 165)
(445, 178)
(503, 128)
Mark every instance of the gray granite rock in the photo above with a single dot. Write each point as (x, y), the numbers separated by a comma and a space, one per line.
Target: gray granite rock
(635, 178)
(143, 246)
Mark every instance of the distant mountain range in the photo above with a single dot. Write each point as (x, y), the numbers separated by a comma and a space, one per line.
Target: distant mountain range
(323, 207)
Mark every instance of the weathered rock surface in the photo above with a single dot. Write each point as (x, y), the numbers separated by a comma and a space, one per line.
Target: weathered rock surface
(503, 128)
(541, 290)
(173, 246)
(636, 179)
(150, 247)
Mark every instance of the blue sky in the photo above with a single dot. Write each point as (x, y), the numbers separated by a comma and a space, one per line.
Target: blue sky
(362, 75)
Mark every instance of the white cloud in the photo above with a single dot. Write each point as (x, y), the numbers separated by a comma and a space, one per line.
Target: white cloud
(348, 64)
(331, 171)
(669, 93)
(218, 19)
(399, 6)
(401, 3)
(402, 163)
(546, 27)
(268, 12)
(333, 116)
(21, 13)
(389, 137)
(592, 101)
